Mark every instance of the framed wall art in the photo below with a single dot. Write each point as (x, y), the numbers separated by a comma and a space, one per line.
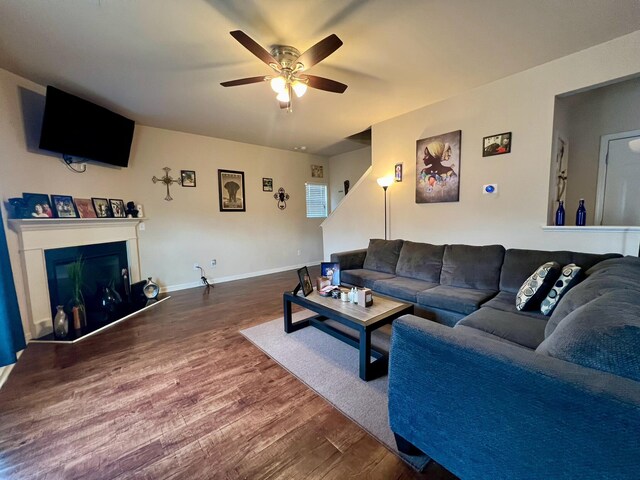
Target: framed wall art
(267, 184)
(64, 206)
(188, 178)
(36, 205)
(231, 191)
(398, 172)
(497, 144)
(317, 171)
(438, 168)
(117, 208)
(85, 207)
(101, 206)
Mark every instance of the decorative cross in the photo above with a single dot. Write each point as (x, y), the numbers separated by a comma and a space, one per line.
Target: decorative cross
(282, 198)
(167, 180)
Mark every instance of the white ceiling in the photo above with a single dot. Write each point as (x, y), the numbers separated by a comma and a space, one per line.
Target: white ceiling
(161, 62)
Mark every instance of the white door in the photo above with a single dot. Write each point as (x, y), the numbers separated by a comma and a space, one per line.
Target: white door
(619, 186)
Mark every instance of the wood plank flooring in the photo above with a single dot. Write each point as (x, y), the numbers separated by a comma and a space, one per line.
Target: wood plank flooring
(178, 393)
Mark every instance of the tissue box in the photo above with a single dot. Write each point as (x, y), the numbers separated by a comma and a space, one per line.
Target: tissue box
(365, 297)
(322, 282)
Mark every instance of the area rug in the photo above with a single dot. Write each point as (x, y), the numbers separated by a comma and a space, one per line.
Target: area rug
(330, 367)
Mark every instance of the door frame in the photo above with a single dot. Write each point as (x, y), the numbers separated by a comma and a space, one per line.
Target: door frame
(602, 169)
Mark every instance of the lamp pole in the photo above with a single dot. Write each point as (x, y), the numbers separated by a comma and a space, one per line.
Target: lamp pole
(385, 210)
(384, 182)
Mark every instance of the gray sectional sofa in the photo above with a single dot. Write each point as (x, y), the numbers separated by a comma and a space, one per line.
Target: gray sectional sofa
(508, 393)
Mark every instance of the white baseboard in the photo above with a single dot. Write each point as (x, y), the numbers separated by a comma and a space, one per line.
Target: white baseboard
(231, 278)
(5, 371)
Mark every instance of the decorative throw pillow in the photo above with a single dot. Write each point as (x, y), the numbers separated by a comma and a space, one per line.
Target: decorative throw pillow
(570, 276)
(537, 286)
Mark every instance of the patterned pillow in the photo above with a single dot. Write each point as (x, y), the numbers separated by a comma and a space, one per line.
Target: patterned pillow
(570, 276)
(536, 287)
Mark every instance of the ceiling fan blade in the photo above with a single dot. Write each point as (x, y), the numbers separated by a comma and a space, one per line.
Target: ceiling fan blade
(243, 81)
(250, 44)
(320, 51)
(324, 84)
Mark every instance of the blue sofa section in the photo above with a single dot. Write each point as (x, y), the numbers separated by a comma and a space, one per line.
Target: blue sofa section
(508, 394)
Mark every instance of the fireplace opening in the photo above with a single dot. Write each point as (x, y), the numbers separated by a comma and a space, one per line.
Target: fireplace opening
(105, 285)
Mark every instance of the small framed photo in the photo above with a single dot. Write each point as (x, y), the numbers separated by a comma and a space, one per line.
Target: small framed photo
(305, 281)
(85, 207)
(231, 191)
(317, 171)
(188, 178)
(398, 172)
(37, 205)
(497, 144)
(332, 271)
(117, 208)
(64, 206)
(101, 206)
(267, 184)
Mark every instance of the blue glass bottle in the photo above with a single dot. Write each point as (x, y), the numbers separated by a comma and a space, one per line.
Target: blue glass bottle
(560, 214)
(581, 214)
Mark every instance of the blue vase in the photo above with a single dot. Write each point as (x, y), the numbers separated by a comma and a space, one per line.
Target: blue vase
(581, 214)
(560, 214)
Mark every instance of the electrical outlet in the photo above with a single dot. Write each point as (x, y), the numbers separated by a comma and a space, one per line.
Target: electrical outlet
(196, 266)
(298, 252)
(214, 262)
(141, 226)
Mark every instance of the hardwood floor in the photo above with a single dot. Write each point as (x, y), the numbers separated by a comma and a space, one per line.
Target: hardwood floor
(177, 392)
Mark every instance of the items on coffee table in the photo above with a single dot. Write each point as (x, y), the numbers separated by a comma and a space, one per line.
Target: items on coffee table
(322, 282)
(365, 297)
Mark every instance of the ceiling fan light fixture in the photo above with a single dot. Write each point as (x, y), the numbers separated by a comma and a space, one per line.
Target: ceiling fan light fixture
(278, 84)
(299, 88)
(284, 96)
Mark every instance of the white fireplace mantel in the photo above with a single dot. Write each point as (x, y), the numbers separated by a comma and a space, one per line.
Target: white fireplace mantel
(37, 235)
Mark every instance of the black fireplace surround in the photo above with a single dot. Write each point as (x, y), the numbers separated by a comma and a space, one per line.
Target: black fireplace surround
(104, 265)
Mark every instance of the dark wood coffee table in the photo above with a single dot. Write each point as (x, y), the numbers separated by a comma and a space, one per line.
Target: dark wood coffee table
(363, 320)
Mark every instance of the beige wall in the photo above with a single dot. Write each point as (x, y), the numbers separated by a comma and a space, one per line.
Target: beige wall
(188, 229)
(346, 166)
(523, 104)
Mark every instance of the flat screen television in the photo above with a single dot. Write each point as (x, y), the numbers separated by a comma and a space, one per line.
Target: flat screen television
(78, 128)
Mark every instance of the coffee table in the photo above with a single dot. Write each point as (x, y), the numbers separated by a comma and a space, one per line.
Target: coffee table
(363, 320)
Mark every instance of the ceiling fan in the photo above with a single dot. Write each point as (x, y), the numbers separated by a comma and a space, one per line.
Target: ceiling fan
(289, 66)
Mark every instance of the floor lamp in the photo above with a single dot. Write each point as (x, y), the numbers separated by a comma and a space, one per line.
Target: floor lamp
(384, 182)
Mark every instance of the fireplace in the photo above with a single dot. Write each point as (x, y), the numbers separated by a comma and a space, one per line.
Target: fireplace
(42, 238)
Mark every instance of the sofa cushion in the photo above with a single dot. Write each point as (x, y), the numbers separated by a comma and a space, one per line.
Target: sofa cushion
(537, 286)
(607, 276)
(520, 329)
(462, 300)
(402, 287)
(603, 334)
(382, 255)
(571, 274)
(362, 277)
(481, 333)
(519, 263)
(420, 260)
(506, 301)
(470, 266)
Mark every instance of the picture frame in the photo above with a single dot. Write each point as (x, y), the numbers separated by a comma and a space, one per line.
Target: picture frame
(497, 144)
(332, 271)
(37, 205)
(231, 191)
(85, 207)
(397, 172)
(317, 171)
(305, 281)
(101, 207)
(64, 207)
(117, 208)
(438, 164)
(267, 184)
(188, 178)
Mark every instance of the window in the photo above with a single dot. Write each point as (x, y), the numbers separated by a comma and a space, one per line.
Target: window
(316, 200)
